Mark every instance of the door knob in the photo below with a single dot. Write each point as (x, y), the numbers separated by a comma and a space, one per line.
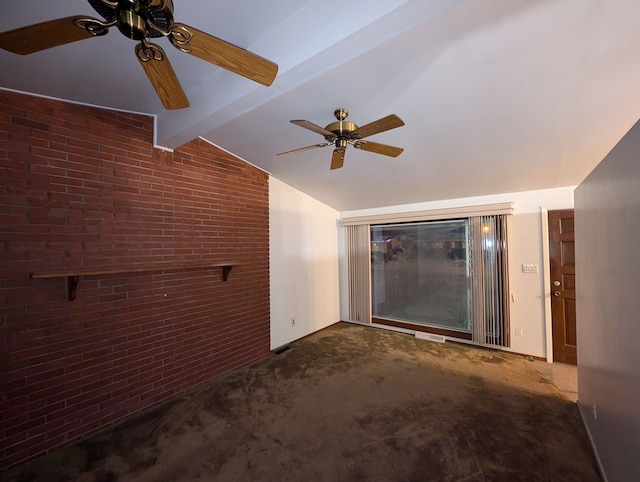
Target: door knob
(556, 283)
(556, 293)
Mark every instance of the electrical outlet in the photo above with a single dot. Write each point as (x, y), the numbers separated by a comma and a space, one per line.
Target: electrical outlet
(594, 407)
(518, 331)
(529, 268)
(293, 322)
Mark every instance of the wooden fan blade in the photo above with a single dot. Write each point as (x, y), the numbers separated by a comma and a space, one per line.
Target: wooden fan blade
(300, 149)
(42, 36)
(386, 123)
(313, 127)
(162, 76)
(337, 160)
(383, 149)
(226, 55)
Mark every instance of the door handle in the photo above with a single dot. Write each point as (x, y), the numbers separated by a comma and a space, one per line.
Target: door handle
(556, 283)
(556, 293)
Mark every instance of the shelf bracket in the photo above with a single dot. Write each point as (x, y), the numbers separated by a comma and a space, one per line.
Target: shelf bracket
(225, 272)
(72, 287)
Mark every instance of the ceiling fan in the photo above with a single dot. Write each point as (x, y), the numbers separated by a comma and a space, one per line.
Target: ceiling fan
(142, 20)
(343, 133)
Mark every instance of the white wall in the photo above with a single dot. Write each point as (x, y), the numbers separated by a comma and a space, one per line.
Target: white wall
(607, 217)
(303, 250)
(528, 244)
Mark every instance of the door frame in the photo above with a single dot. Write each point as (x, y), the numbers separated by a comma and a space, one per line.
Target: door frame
(546, 274)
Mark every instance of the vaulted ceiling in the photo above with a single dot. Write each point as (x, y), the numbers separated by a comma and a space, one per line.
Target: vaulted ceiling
(497, 96)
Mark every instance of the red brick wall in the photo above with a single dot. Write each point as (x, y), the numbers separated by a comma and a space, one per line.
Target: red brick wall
(83, 188)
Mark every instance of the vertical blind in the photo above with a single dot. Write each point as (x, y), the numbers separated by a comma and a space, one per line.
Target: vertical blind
(489, 279)
(359, 272)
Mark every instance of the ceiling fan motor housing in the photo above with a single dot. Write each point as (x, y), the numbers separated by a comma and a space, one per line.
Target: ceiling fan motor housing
(341, 144)
(342, 129)
(131, 16)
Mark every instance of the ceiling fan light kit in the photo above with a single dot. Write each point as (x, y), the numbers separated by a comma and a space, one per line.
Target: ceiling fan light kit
(142, 20)
(344, 132)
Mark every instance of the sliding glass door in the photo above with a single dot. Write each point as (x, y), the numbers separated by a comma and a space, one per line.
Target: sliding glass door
(447, 277)
(420, 273)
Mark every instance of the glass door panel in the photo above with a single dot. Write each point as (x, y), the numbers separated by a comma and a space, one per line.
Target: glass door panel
(420, 273)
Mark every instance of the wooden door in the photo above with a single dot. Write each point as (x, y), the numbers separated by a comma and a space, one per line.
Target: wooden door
(563, 286)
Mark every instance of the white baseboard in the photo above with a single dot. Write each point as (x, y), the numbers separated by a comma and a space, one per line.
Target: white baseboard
(593, 445)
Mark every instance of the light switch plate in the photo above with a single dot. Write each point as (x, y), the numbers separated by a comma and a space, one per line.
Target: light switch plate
(529, 268)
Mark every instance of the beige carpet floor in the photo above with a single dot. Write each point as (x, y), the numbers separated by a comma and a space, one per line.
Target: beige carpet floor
(563, 376)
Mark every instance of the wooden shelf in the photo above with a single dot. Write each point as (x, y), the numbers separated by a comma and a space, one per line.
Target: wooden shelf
(73, 276)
